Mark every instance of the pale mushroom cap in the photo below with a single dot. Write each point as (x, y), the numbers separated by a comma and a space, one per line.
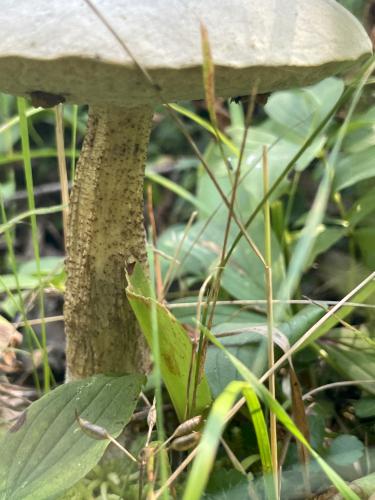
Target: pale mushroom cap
(64, 48)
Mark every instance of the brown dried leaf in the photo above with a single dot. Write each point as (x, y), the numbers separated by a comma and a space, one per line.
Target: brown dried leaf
(188, 426)
(92, 430)
(187, 442)
(9, 336)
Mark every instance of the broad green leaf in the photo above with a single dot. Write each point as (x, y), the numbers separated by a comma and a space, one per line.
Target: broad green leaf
(175, 345)
(243, 276)
(362, 208)
(317, 424)
(361, 296)
(299, 111)
(302, 251)
(227, 485)
(353, 168)
(304, 246)
(247, 347)
(250, 189)
(26, 281)
(47, 266)
(225, 317)
(326, 238)
(365, 407)
(361, 132)
(365, 239)
(353, 92)
(46, 452)
(301, 322)
(355, 6)
(352, 357)
(345, 450)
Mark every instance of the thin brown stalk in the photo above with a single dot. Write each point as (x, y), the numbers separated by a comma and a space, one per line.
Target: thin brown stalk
(124, 450)
(270, 341)
(194, 354)
(169, 274)
(38, 321)
(214, 181)
(215, 288)
(176, 473)
(334, 385)
(63, 175)
(319, 303)
(232, 457)
(153, 231)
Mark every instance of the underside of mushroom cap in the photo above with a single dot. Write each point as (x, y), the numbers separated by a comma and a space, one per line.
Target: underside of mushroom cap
(64, 48)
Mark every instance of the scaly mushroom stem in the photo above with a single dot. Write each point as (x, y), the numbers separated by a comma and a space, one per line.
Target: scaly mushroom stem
(106, 233)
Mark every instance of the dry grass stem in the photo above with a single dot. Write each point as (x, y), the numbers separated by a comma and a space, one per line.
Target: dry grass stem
(63, 175)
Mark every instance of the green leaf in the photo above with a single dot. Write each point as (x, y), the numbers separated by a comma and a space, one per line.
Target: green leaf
(47, 266)
(365, 408)
(352, 357)
(345, 450)
(362, 208)
(46, 452)
(353, 168)
(355, 6)
(227, 485)
(175, 345)
(361, 132)
(9, 282)
(302, 250)
(365, 238)
(326, 238)
(243, 276)
(248, 347)
(230, 316)
(299, 111)
(361, 296)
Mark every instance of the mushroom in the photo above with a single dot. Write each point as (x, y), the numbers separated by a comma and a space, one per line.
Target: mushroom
(59, 51)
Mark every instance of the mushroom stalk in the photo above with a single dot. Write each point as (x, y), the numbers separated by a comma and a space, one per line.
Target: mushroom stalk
(106, 234)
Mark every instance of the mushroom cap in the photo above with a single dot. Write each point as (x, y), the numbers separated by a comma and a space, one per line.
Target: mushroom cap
(64, 48)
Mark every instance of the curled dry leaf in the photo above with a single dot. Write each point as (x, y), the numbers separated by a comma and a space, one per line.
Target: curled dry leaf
(13, 401)
(186, 442)
(188, 426)
(9, 338)
(92, 430)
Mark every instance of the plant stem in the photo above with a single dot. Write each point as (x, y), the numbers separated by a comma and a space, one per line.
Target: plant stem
(268, 276)
(106, 235)
(63, 177)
